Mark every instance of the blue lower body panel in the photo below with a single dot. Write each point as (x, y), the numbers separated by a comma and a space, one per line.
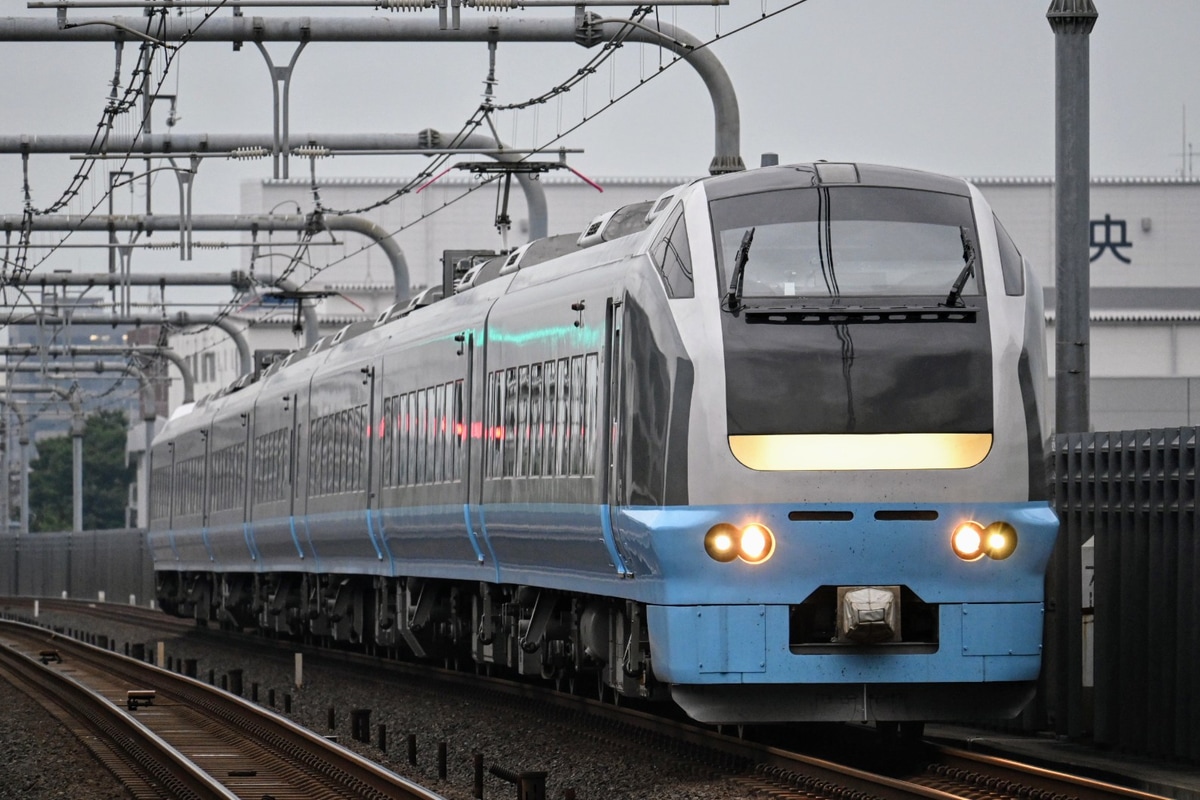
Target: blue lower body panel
(734, 641)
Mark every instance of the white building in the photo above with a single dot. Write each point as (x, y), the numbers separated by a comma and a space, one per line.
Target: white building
(1145, 273)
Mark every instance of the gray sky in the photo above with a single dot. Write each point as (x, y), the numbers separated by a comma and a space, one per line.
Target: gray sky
(958, 86)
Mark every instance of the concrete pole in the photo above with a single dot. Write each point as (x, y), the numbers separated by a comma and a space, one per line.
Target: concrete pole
(23, 460)
(5, 488)
(77, 425)
(143, 488)
(1072, 22)
(23, 441)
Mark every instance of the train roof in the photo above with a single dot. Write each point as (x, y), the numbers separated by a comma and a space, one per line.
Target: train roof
(823, 173)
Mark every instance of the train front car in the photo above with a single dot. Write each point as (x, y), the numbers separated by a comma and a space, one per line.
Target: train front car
(865, 529)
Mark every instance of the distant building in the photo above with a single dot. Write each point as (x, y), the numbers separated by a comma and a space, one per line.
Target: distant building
(1145, 290)
(1145, 273)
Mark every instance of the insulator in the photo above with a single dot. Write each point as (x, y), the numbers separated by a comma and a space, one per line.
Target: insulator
(210, 245)
(161, 245)
(405, 5)
(246, 153)
(311, 151)
(493, 5)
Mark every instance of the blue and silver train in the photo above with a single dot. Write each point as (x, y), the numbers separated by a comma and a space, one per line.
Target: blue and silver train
(770, 446)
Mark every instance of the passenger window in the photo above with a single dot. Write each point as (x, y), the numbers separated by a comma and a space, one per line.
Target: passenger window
(1011, 263)
(673, 257)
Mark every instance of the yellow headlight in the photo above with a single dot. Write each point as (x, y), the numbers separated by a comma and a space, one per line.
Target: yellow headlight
(757, 543)
(1000, 540)
(967, 541)
(721, 542)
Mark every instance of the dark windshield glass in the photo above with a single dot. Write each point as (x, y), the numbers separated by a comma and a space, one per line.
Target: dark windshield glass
(846, 240)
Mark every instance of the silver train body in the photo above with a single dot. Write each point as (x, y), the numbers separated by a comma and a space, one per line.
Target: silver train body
(771, 446)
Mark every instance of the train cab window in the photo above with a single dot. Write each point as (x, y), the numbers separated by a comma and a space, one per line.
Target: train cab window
(847, 241)
(673, 257)
(1012, 265)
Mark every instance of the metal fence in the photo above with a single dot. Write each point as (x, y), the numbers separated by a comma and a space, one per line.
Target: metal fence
(1134, 493)
(92, 565)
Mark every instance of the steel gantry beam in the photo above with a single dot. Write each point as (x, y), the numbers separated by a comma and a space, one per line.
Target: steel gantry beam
(237, 279)
(427, 142)
(584, 28)
(89, 351)
(222, 222)
(180, 320)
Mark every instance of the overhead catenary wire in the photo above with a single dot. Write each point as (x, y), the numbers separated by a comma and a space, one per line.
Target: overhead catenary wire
(560, 132)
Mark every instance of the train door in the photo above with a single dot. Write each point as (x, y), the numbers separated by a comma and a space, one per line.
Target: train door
(612, 443)
(291, 413)
(471, 435)
(371, 451)
(302, 405)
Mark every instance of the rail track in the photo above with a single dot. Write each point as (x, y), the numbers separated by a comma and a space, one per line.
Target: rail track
(166, 735)
(857, 764)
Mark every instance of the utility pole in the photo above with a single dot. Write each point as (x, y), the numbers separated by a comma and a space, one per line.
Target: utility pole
(1072, 22)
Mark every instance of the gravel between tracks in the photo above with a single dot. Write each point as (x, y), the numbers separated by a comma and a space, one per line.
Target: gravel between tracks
(40, 759)
(509, 732)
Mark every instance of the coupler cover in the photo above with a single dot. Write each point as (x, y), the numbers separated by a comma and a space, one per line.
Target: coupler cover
(868, 614)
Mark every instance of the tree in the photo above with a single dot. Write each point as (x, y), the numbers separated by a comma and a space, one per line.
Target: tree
(106, 477)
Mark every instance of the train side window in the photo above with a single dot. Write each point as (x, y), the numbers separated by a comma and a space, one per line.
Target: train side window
(592, 401)
(420, 420)
(386, 458)
(562, 452)
(339, 445)
(522, 426)
(1011, 262)
(536, 431)
(354, 448)
(551, 383)
(577, 420)
(460, 430)
(439, 435)
(673, 256)
(491, 413)
(404, 429)
(359, 430)
(509, 430)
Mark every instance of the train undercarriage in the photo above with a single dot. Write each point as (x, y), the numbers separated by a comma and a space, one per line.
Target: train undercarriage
(567, 638)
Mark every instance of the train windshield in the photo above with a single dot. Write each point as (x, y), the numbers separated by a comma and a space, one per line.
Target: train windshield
(836, 241)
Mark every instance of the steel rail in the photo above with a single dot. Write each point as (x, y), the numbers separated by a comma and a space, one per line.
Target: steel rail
(997, 774)
(193, 716)
(778, 768)
(162, 769)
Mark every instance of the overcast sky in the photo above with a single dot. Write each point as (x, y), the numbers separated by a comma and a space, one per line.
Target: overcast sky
(964, 87)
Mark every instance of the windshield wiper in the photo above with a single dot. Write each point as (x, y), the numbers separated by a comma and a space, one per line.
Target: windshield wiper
(733, 298)
(954, 299)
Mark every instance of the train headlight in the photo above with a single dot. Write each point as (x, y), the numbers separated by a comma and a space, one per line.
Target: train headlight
(999, 540)
(757, 543)
(721, 542)
(967, 541)
(753, 543)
